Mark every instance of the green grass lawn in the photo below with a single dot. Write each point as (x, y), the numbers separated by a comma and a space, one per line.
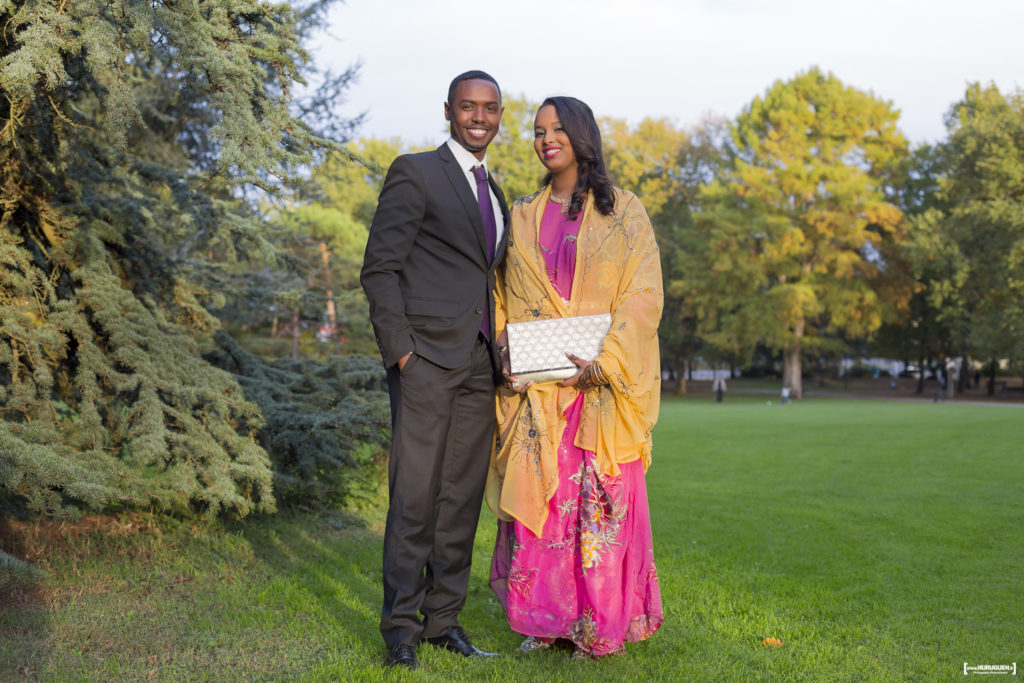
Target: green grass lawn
(878, 541)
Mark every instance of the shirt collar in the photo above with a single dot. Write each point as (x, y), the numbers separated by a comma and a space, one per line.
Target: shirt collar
(464, 157)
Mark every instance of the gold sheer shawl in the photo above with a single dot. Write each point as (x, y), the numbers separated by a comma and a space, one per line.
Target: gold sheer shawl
(618, 271)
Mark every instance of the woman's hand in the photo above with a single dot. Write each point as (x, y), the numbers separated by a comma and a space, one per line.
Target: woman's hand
(506, 365)
(587, 377)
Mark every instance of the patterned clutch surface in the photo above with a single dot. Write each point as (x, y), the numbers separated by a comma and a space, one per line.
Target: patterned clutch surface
(537, 348)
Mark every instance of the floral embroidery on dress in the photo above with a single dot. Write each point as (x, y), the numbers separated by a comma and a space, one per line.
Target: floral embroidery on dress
(591, 553)
(519, 580)
(584, 631)
(526, 438)
(601, 514)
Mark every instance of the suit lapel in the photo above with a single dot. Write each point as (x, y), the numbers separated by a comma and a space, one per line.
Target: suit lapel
(460, 184)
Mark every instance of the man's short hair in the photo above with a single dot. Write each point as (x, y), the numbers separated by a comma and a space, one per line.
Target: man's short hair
(471, 76)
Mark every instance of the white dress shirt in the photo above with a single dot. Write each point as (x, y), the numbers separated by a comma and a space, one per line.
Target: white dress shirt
(466, 161)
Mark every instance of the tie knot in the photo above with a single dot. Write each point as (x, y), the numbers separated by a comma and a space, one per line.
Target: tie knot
(480, 173)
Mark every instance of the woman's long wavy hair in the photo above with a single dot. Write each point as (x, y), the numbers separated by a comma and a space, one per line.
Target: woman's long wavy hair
(581, 128)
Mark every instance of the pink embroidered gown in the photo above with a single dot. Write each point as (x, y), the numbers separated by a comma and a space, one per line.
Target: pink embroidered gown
(590, 577)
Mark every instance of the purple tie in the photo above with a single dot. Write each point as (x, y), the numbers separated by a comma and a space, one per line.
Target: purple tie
(483, 197)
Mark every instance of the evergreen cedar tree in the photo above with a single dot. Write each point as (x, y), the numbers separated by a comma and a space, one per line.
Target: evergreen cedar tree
(128, 130)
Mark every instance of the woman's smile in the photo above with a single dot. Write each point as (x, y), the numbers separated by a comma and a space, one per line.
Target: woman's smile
(552, 144)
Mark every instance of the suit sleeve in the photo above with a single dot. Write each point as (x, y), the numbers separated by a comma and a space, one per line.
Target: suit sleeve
(399, 216)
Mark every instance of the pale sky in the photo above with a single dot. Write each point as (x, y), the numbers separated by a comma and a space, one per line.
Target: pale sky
(663, 58)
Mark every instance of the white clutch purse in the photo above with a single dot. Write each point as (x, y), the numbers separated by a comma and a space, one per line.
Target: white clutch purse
(537, 348)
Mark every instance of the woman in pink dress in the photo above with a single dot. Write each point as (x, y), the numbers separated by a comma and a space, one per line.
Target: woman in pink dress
(574, 558)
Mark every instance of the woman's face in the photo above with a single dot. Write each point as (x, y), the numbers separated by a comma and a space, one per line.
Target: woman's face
(551, 143)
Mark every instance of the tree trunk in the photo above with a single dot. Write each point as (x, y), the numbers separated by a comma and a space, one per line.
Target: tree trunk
(681, 367)
(920, 375)
(295, 334)
(992, 377)
(792, 374)
(332, 316)
(962, 383)
(950, 385)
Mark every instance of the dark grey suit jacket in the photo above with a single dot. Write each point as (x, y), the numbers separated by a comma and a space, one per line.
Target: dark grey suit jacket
(425, 270)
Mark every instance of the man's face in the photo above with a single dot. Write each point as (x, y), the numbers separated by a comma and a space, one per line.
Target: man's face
(474, 115)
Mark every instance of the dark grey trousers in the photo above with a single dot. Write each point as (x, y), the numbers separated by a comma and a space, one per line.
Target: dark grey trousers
(443, 421)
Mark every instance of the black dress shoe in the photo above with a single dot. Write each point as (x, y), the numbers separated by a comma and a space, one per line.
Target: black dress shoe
(456, 640)
(403, 655)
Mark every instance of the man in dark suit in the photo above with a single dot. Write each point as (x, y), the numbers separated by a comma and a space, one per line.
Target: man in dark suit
(437, 236)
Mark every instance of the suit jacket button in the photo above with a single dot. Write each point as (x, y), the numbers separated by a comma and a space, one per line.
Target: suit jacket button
(479, 311)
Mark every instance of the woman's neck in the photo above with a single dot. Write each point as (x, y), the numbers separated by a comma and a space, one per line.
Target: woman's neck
(563, 184)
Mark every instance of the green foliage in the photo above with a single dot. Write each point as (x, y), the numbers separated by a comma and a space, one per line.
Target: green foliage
(15, 572)
(330, 244)
(801, 234)
(974, 240)
(316, 308)
(337, 212)
(352, 189)
(666, 167)
(924, 335)
(326, 422)
(510, 156)
(127, 131)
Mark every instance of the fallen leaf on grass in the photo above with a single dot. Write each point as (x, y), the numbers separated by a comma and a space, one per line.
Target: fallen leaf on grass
(772, 642)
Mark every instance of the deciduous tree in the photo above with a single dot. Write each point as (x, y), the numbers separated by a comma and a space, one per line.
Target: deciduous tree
(666, 166)
(976, 239)
(801, 227)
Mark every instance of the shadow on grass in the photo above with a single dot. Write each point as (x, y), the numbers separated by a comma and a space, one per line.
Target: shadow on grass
(24, 633)
(326, 571)
(266, 599)
(24, 616)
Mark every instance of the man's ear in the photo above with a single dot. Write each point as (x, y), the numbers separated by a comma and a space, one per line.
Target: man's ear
(447, 113)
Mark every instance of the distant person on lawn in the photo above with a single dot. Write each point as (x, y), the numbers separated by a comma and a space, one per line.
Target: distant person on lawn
(718, 386)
